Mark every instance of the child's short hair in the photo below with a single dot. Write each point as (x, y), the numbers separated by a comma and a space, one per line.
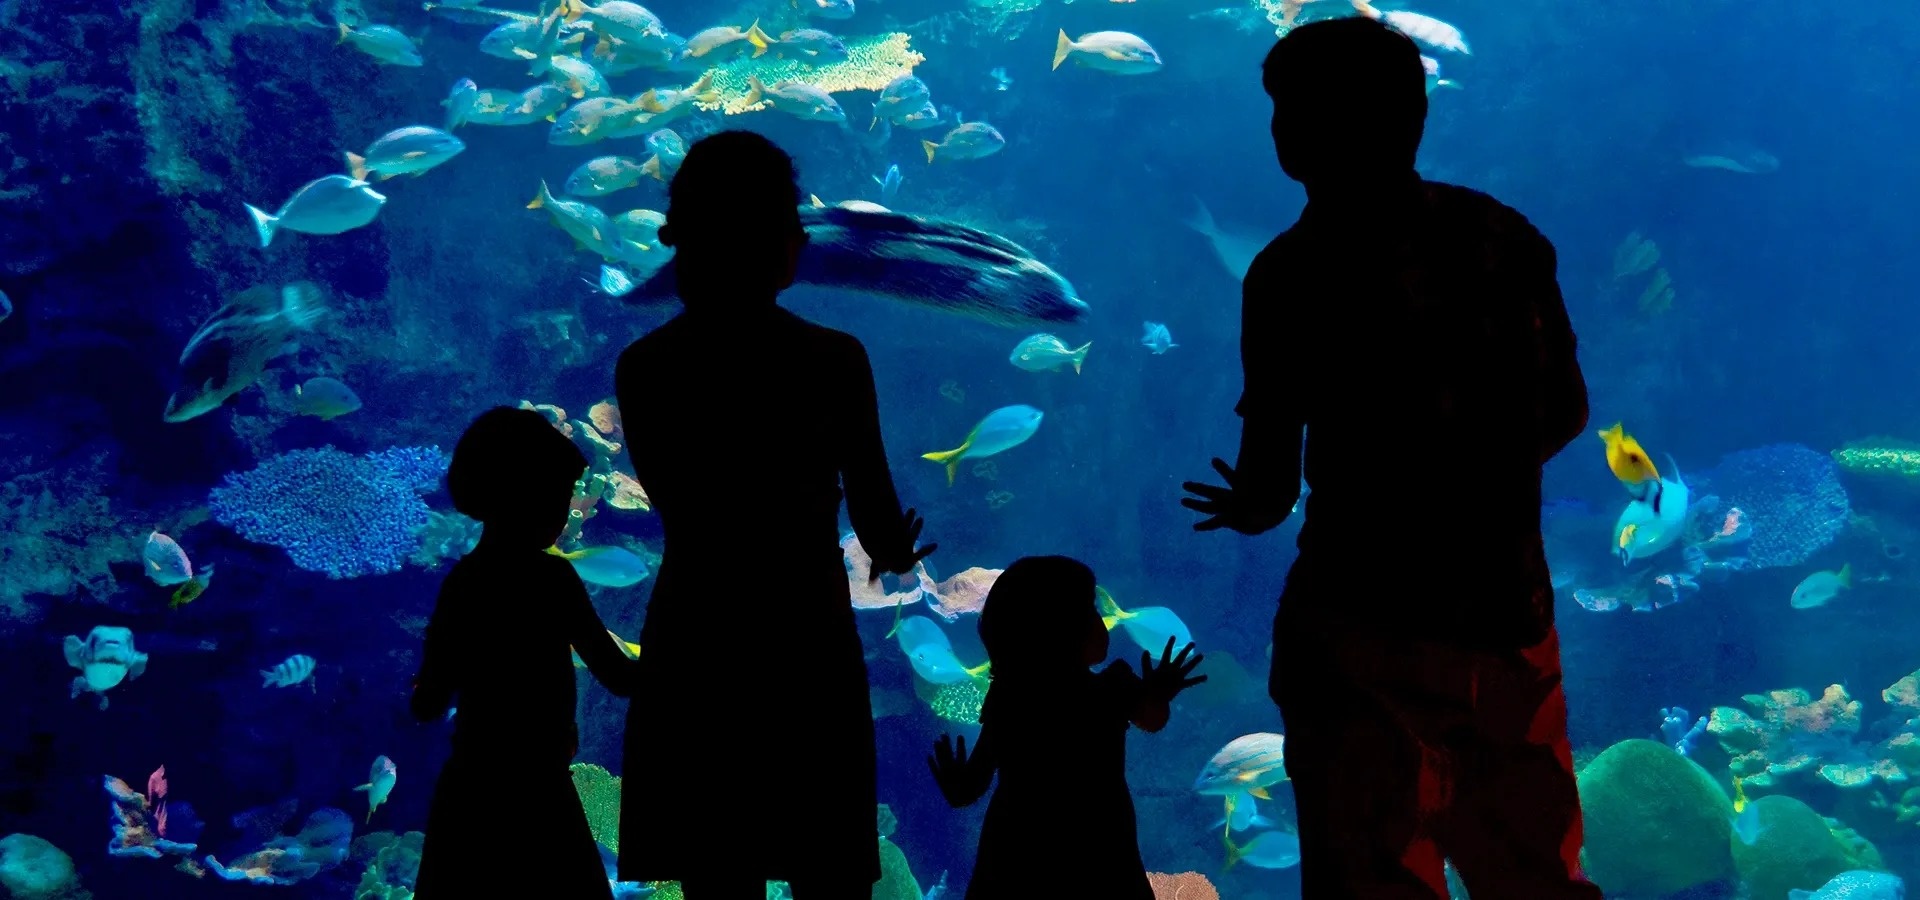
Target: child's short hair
(507, 458)
(1037, 614)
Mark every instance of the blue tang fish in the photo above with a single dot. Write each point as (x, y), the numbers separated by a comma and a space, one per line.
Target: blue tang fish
(1002, 430)
(606, 566)
(931, 654)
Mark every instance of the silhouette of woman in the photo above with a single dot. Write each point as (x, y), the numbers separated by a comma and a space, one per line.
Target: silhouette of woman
(749, 747)
(497, 644)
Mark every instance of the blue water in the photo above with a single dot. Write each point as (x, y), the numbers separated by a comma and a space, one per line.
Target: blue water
(120, 233)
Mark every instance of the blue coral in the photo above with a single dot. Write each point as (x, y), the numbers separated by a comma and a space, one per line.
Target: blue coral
(334, 512)
(1793, 496)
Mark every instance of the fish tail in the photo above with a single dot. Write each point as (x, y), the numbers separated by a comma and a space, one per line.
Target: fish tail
(357, 166)
(1200, 219)
(1233, 852)
(540, 199)
(1110, 611)
(758, 39)
(344, 31)
(266, 678)
(930, 147)
(981, 671)
(368, 787)
(1080, 356)
(1062, 49)
(1845, 575)
(264, 224)
(950, 459)
(756, 91)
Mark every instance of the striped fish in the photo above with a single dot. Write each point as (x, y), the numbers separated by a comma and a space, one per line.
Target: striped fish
(297, 668)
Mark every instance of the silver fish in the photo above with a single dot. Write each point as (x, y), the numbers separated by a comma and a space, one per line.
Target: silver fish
(584, 221)
(796, 98)
(328, 205)
(405, 151)
(382, 42)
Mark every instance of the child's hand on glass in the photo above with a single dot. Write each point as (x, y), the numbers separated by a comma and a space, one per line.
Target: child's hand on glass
(1173, 675)
(951, 772)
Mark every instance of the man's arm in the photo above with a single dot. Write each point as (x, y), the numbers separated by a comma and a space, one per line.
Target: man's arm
(1563, 387)
(1272, 408)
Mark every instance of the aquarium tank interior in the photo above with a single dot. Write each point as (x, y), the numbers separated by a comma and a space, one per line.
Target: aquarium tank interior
(261, 261)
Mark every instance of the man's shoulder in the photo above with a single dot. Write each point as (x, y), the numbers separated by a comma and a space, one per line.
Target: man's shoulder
(1287, 249)
(1479, 210)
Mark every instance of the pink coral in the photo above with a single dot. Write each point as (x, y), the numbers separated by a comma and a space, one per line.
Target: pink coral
(963, 593)
(1904, 694)
(605, 417)
(1834, 712)
(1183, 886)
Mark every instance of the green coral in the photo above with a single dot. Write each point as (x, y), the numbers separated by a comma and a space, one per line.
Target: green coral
(959, 702)
(1656, 823)
(600, 795)
(395, 866)
(1795, 849)
(896, 877)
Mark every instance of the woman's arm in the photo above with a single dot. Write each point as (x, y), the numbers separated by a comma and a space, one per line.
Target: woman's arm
(872, 503)
(593, 643)
(434, 687)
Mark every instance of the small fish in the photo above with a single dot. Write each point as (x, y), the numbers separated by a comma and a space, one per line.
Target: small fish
(812, 44)
(460, 101)
(584, 221)
(1157, 338)
(825, 9)
(325, 398)
(1248, 764)
(1858, 884)
(1746, 825)
(972, 140)
(593, 119)
(500, 106)
(800, 99)
(1151, 627)
(901, 96)
(631, 649)
(1235, 248)
(1631, 465)
(663, 105)
(603, 175)
(613, 282)
(1114, 52)
(1820, 588)
(233, 346)
(617, 19)
(294, 671)
(640, 227)
(192, 589)
(379, 783)
(669, 151)
(1242, 813)
(1645, 528)
(1046, 353)
(726, 41)
(1739, 160)
(931, 653)
(1002, 430)
(105, 659)
(382, 42)
(889, 184)
(1267, 850)
(332, 204)
(1427, 30)
(1001, 81)
(166, 563)
(404, 151)
(606, 566)
(924, 118)
(576, 76)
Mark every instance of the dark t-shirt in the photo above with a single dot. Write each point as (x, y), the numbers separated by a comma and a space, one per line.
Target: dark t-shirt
(1425, 347)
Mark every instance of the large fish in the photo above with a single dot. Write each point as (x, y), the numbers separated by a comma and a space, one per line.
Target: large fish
(923, 261)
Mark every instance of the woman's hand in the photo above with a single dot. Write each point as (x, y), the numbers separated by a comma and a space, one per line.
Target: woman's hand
(905, 564)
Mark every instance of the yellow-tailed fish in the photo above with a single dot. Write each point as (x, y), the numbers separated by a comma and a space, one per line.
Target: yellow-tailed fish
(1148, 626)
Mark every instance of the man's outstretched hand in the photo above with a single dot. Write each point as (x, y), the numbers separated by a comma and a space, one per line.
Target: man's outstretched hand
(904, 565)
(1229, 506)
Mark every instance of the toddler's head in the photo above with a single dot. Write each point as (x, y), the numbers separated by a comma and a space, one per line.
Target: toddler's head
(1041, 618)
(514, 473)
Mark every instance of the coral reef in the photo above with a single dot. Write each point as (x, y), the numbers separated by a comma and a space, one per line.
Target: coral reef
(393, 863)
(333, 512)
(1795, 849)
(33, 869)
(1791, 736)
(324, 841)
(871, 62)
(959, 702)
(1656, 823)
(896, 877)
(447, 535)
(1182, 886)
(1885, 462)
(1791, 493)
(137, 829)
(600, 795)
(58, 536)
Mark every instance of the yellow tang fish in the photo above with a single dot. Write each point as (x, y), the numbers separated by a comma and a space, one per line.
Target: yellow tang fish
(1629, 463)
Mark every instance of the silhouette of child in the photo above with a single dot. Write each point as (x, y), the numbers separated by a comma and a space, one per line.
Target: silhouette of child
(498, 644)
(1061, 822)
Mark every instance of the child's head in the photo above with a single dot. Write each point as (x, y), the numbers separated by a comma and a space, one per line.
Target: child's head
(514, 473)
(1041, 617)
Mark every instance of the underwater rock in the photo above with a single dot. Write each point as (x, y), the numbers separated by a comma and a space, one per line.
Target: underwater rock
(33, 869)
(1656, 823)
(926, 262)
(1795, 849)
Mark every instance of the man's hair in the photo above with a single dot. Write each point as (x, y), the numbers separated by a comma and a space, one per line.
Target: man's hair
(1349, 65)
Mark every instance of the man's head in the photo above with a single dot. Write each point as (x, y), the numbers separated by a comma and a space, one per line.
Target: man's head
(1349, 101)
(733, 219)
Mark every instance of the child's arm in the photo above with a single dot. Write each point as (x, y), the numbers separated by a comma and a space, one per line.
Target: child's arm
(590, 639)
(963, 778)
(433, 688)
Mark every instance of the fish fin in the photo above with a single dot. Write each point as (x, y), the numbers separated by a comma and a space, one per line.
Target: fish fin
(368, 787)
(344, 31)
(1109, 609)
(1845, 575)
(540, 199)
(652, 168)
(816, 201)
(949, 458)
(266, 678)
(79, 684)
(264, 224)
(1080, 356)
(758, 39)
(980, 672)
(930, 147)
(756, 91)
(357, 166)
(524, 53)
(1062, 49)
(1233, 852)
(103, 702)
(1260, 792)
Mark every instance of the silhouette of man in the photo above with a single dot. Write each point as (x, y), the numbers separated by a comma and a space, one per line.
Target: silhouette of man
(745, 424)
(1408, 339)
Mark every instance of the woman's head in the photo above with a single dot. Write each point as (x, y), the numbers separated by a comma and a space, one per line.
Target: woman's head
(733, 219)
(1041, 617)
(514, 473)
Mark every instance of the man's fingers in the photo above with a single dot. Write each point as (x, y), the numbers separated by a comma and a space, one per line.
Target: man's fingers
(1226, 471)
